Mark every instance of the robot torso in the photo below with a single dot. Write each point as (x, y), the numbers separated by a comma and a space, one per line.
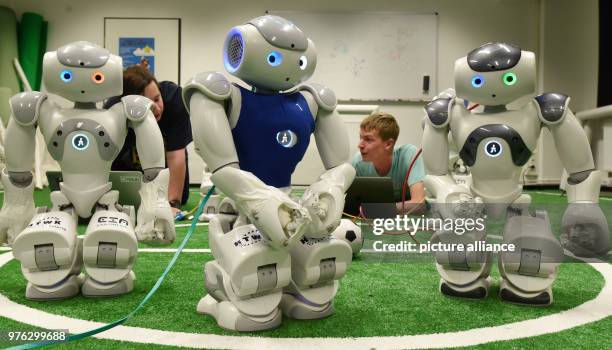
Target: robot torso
(275, 127)
(496, 146)
(84, 142)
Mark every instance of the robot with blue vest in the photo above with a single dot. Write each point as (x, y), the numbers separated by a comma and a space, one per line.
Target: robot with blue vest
(496, 143)
(84, 140)
(279, 255)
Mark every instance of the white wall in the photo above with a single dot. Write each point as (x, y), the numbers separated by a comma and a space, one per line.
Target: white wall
(463, 25)
(569, 64)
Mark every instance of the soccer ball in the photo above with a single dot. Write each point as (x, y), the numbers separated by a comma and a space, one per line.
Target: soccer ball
(349, 232)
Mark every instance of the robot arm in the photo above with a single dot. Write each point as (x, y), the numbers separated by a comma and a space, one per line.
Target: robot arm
(584, 229)
(18, 207)
(278, 217)
(584, 181)
(438, 181)
(155, 223)
(324, 199)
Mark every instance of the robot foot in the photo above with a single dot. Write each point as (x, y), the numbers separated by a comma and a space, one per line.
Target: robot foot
(297, 307)
(228, 316)
(475, 291)
(512, 295)
(92, 288)
(68, 288)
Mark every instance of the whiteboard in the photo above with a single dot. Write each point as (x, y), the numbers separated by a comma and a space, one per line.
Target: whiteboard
(372, 56)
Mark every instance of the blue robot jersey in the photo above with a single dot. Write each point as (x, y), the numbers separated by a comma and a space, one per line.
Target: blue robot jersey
(272, 135)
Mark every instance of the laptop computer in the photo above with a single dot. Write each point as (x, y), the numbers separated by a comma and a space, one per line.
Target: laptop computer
(374, 195)
(126, 182)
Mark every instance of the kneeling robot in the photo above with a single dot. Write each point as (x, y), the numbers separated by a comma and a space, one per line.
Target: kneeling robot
(279, 252)
(84, 140)
(496, 143)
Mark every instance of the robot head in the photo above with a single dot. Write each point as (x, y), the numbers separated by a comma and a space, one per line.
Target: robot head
(83, 72)
(495, 74)
(269, 52)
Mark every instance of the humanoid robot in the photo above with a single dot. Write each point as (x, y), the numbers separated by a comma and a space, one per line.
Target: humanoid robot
(84, 140)
(279, 253)
(495, 144)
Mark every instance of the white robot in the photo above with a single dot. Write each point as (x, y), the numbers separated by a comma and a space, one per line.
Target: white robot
(495, 144)
(279, 253)
(84, 140)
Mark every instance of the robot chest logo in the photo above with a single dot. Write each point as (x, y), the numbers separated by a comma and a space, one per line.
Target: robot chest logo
(248, 239)
(286, 138)
(493, 149)
(80, 142)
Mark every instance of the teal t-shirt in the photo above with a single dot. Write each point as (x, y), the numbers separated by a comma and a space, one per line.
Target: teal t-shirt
(401, 158)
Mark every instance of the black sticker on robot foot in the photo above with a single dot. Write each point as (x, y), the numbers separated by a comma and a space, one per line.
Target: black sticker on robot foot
(540, 299)
(478, 293)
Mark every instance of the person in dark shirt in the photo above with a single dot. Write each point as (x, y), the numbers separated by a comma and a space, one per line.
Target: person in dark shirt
(174, 124)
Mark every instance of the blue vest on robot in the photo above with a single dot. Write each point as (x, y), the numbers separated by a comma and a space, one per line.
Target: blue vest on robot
(262, 138)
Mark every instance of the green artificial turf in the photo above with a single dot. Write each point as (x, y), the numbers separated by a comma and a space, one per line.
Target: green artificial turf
(374, 299)
(380, 296)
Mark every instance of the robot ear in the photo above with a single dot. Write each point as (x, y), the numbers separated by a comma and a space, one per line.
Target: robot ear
(233, 50)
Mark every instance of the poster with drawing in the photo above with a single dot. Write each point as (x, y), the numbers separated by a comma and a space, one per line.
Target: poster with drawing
(138, 51)
(152, 42)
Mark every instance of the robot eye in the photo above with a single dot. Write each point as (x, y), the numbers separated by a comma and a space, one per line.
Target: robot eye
(509, 78)
(66, 75)
(303, 62)
(477, 81)
(97, 77)
(275, 58)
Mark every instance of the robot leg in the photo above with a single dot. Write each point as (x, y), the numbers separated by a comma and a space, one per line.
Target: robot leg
(317, 265)
(463, 274)
(529, 271)
(245, 281)
(50, 253)
(109, 250)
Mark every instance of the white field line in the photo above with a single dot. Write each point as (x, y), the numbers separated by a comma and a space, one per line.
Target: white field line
(559, 195)
(590, 311)
(187, 225)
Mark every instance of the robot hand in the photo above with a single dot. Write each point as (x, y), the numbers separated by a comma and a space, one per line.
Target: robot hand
(584, 230)
(457, 202)
(287, 225)
(155, 223)
(206, 182)
(17, 209)
(277, 216)
(324, 203)
(324, 200)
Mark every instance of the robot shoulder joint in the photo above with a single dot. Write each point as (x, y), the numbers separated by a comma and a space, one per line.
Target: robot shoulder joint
(213, 85)
(25, 107)
(438, 111)
(136, 107)
(324, 96)
(552, 107)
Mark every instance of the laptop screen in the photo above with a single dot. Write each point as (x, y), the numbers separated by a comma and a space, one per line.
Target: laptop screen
(373, 194)
(126, 182)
